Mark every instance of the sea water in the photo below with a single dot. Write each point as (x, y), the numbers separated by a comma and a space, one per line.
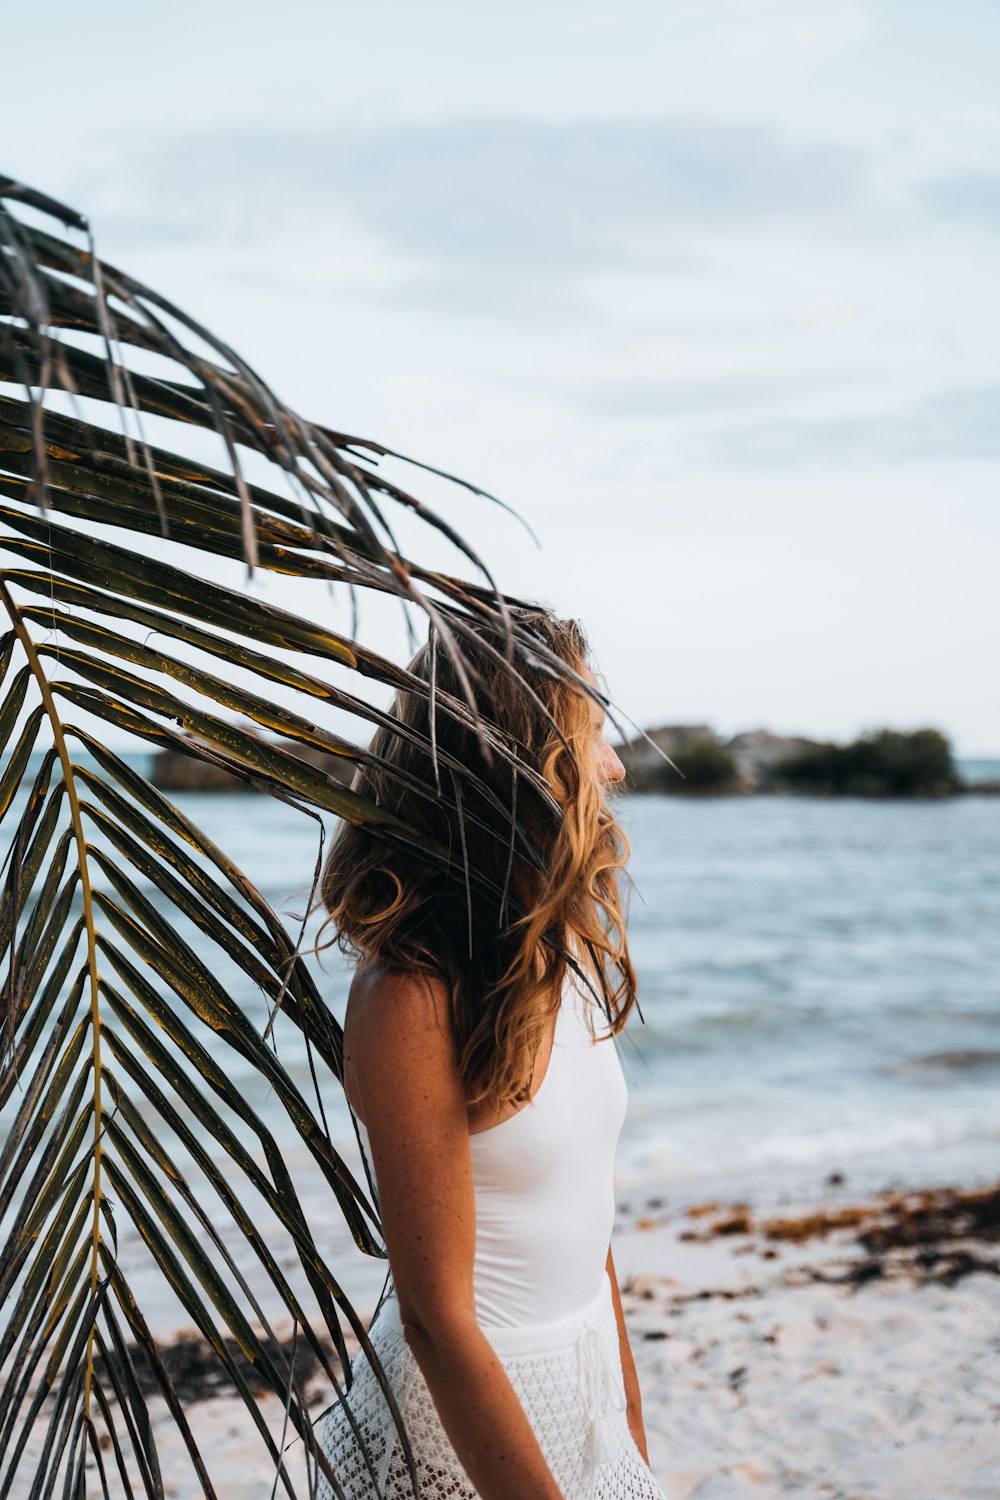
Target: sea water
(820, 981)
(819, 985)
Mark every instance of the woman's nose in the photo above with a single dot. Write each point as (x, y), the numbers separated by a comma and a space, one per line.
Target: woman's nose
(611, 768)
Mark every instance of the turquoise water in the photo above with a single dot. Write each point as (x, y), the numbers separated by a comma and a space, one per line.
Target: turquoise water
(820, 982)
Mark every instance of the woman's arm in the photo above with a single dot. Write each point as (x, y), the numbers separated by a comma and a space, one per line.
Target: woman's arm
(400, 1058)
(632, 1392)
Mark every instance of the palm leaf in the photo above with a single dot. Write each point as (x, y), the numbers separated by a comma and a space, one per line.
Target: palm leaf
(115, 1028)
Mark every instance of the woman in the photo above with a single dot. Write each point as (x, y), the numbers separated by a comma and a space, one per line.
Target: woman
(488, 1109)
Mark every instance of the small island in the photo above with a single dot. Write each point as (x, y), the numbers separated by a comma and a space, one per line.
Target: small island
(188, 771)
(882, 763)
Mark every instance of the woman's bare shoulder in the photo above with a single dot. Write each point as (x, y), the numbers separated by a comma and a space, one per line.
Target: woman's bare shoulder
(397, 1027)
(381, 996)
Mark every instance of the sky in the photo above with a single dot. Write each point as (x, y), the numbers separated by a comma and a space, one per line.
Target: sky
(705, 289)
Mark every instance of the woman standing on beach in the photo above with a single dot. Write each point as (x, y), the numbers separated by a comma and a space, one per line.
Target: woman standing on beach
(488, 1103)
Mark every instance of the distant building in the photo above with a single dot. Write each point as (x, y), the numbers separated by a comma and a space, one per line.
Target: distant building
(753, 758)
(758, 753)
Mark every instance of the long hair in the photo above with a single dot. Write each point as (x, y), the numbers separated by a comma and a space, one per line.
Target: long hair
(536, 860)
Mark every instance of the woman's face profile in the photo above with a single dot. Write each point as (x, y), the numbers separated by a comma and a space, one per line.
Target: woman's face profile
(607, 766)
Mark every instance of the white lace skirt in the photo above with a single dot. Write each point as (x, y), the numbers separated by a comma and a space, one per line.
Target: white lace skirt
(568, 1376)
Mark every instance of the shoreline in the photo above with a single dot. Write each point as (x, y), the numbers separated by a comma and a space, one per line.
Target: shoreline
(836, 1347)
(639, 787)
(928, 1236)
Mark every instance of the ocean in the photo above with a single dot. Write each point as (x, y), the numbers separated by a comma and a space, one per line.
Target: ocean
(819, 981)
(821, 986)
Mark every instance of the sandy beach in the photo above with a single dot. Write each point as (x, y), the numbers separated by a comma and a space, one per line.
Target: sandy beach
(849, 1351)
(841, 1349)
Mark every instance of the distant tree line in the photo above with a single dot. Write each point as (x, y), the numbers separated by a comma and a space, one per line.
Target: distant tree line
(705, 766)
(881, 763)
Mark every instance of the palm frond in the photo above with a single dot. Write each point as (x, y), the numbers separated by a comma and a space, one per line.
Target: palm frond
(114, 1027)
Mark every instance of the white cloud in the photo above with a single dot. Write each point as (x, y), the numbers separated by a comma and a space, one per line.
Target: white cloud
(958, 425)
(973, 197)
(508, 216)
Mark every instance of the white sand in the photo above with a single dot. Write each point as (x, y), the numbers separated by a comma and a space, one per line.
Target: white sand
(885, 1391)
(758, 1380)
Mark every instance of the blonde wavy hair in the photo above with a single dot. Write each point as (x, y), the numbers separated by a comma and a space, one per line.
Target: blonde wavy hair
(536, 856)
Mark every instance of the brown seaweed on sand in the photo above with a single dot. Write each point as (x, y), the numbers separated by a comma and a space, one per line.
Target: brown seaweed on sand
(944, 1226)
(197, 1373)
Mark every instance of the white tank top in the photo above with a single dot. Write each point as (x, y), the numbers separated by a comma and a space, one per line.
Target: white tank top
(544, 1179)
